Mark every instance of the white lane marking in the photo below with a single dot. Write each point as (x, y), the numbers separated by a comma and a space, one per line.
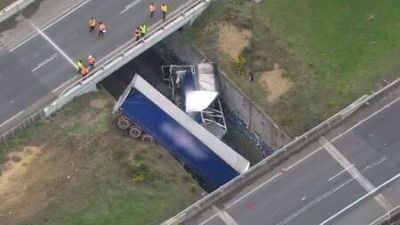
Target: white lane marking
(366, 118)
(129, 6)
(372, 165)
(360, 199)
(275, 176)
(353, 171)
(312, 203)
(225, 217)
(52, 43)
(12, 118)
(319, 148)
(66, 13)
(338, 174)
(44, 62)
(265, 182)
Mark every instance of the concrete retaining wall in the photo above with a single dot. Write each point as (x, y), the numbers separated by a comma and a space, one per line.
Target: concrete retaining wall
(262, 126)
(14, 8)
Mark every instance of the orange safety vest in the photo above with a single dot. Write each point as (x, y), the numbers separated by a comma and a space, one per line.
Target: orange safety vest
(92, 22)
(164, 8)
(152, 8)
(84, 71)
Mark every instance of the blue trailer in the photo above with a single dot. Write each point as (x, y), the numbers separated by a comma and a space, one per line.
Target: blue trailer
(142, 109)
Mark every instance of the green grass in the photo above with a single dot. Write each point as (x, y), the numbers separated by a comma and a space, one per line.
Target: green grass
(114, 179)
(335, 51)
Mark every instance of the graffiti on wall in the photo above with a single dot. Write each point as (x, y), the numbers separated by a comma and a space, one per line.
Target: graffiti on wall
(255, 139)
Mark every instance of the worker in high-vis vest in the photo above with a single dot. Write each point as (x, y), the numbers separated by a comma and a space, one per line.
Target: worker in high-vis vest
(152, 9)
(80, 65)
(143, 30)
(164, 10)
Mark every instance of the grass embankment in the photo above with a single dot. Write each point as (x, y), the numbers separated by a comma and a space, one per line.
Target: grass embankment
(333, 51)
(77, 168)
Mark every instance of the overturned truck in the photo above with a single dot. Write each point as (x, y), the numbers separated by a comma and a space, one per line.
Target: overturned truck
(149, 115)
(195, 90)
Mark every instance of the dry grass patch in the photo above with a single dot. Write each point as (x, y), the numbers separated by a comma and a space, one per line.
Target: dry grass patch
(232, 40)
(274, 84)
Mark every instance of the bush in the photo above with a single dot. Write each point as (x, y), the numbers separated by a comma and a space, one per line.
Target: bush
(143, 173)
(239, 65)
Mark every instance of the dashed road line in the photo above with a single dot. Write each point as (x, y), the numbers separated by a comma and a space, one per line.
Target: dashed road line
(312, 203)
(51, 23)
(52, 43)
(372, 165)
(353, 171)
(129, 6)
(384, 184)
(338, 174)
(44, 62)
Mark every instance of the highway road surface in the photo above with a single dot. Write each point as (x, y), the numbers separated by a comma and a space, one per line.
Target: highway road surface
(35, 69)
(351, 177)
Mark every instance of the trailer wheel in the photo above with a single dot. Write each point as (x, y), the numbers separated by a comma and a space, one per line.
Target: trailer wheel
(146, 138)
(123, 123)
(135, 132)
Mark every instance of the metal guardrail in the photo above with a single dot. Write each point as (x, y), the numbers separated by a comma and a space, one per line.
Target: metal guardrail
(129, 50)
(180, 17)
(390, 218)
(13, 9)
(276, 158)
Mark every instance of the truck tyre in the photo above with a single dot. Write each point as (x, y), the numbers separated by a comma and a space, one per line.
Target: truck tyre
(135, 132)
(123, 123)
(146, 138)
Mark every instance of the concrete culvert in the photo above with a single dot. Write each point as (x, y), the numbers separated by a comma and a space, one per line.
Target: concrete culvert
(146, 138)
(123, 123)
(135, 132)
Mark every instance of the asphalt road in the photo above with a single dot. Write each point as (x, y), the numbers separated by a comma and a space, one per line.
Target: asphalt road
(332, 184)
(38, 67)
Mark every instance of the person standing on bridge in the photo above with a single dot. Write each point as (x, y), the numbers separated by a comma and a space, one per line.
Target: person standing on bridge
(137, 34)
(92, 24)
(91, 60)
(164, 10)
(102, 30)
(142, 30)
(85, 71)
(80, 65)
(152, 9)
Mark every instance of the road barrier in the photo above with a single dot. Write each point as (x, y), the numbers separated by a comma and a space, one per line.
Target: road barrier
(276, 158)
(113, 61)
(390, 218)
(128, 51)
(13, 9)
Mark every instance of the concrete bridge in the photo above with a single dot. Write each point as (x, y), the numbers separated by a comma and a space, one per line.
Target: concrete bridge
(38, 74)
